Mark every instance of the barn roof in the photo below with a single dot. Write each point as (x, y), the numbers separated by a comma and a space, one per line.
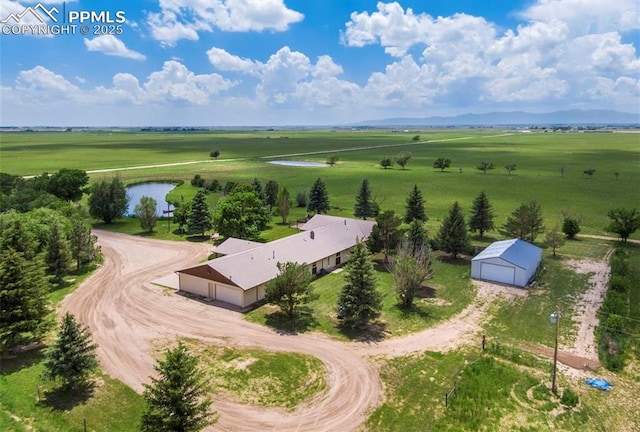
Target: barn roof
(515, 251)
(258, 265)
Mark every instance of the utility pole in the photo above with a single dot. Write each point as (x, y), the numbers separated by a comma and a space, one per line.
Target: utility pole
(555, 319)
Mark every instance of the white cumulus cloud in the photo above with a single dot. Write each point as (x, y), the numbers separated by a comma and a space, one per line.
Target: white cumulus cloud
(184, 19)
(111, 45)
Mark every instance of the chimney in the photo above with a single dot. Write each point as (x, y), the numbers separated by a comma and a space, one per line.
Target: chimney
(312, 235)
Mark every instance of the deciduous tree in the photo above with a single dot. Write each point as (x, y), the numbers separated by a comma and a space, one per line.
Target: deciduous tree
(403, 159)
(442, 163)
(242, 214)
(481, 215)
(81, 241)
(108, 200)
(72, 357)
(177, 399)
(415, 206)
(68, 184)
(416, 236)
(386, 162)
(510, 167)
(257, 188)
(485, 166)
(284, 204)
(624, 222)
(145, 211)
(359, 301)
(181, 214)
(318, 198)
(453, 236)
(199, 219)
(570, 226)
(554, 239)
(271, 193)
(332, 160)
(23, 300)
(410, 268)
(590, 172)
(215, 153)
(291, 288)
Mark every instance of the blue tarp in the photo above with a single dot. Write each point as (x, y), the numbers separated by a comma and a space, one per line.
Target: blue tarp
(598, 383)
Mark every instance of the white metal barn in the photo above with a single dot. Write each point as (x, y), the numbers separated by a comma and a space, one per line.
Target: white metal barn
(512, 262)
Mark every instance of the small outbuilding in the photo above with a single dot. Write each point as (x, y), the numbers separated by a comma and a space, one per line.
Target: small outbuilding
(512, 262)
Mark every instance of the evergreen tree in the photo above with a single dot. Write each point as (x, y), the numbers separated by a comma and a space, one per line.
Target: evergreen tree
(415, 206)
(386, 233)
(81, 241)
(72, 357)
(525, 222)
(271, 194)
(145, 211)
(570, 226)
(284, 204)
(359, 301)
(416, 237)
(318, 198)
(108, 200)
(199, 219)
(58, 254)
(365, 205)
(453, 236)
(291, 288)
(23, 300)
(177, 400)
(481, 215)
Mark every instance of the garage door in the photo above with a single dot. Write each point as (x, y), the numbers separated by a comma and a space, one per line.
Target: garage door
(497, 273)
(229, 295)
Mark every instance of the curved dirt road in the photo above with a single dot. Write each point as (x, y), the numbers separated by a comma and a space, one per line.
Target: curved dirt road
(126, 315)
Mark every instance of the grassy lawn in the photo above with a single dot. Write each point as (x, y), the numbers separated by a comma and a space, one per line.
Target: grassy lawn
(447, 293)
(269, 379)
(28, 402)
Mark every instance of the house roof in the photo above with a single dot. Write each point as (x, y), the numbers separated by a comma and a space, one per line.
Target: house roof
(234, 245)
(255, 266)
(515, 251)
(321, 220)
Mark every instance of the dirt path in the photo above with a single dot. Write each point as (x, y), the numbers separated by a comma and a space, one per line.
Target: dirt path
(127, 314)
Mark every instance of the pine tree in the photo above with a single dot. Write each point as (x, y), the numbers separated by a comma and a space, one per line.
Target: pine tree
(146, 213)
(58, 254)
(359, 301)
(291, 288)
(72, 357)
(199, 217)
(318, 198)
(177, 400)
(525, 222)
(181, 214)
(271, 194)
(365, 205)
(416, 236)
(284, 204)
(256, 185)
(23, 300)
(81, 241)
(453, 236)
(415, 206)
(481, 215)
(386, 233)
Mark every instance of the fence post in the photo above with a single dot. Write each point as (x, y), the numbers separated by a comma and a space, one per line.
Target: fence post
(484, 340)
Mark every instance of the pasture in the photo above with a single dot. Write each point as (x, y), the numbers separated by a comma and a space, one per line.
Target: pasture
(243, 156)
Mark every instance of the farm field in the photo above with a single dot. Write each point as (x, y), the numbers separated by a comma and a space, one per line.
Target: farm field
(405, 372)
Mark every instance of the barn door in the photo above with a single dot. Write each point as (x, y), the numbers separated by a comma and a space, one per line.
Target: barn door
(212, 290)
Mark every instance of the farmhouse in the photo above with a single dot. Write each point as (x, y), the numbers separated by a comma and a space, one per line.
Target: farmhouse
(512, 262)
(240, 275)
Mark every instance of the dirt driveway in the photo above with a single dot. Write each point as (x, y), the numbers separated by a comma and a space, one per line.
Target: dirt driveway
(126, 314)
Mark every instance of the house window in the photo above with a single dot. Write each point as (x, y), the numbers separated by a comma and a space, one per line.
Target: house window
(314, 269)
(338, 259)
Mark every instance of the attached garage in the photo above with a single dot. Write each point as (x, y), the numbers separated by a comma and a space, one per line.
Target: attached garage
(511, 262)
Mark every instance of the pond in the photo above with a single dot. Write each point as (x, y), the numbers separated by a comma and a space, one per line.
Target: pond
(299, 163)
(157, 191)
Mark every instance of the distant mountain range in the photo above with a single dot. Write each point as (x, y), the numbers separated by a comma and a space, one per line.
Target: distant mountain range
(571, 117)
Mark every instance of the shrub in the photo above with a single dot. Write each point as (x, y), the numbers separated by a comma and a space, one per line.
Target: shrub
(569, 398)
(214, 186)
(301, 199)
(618, 283)
(614, 303)
(197, 181)
(229, 187)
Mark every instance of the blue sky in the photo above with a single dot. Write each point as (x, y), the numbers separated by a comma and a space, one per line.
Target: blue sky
(303, 62)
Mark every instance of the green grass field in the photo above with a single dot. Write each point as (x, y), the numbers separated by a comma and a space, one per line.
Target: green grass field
(538, 157)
